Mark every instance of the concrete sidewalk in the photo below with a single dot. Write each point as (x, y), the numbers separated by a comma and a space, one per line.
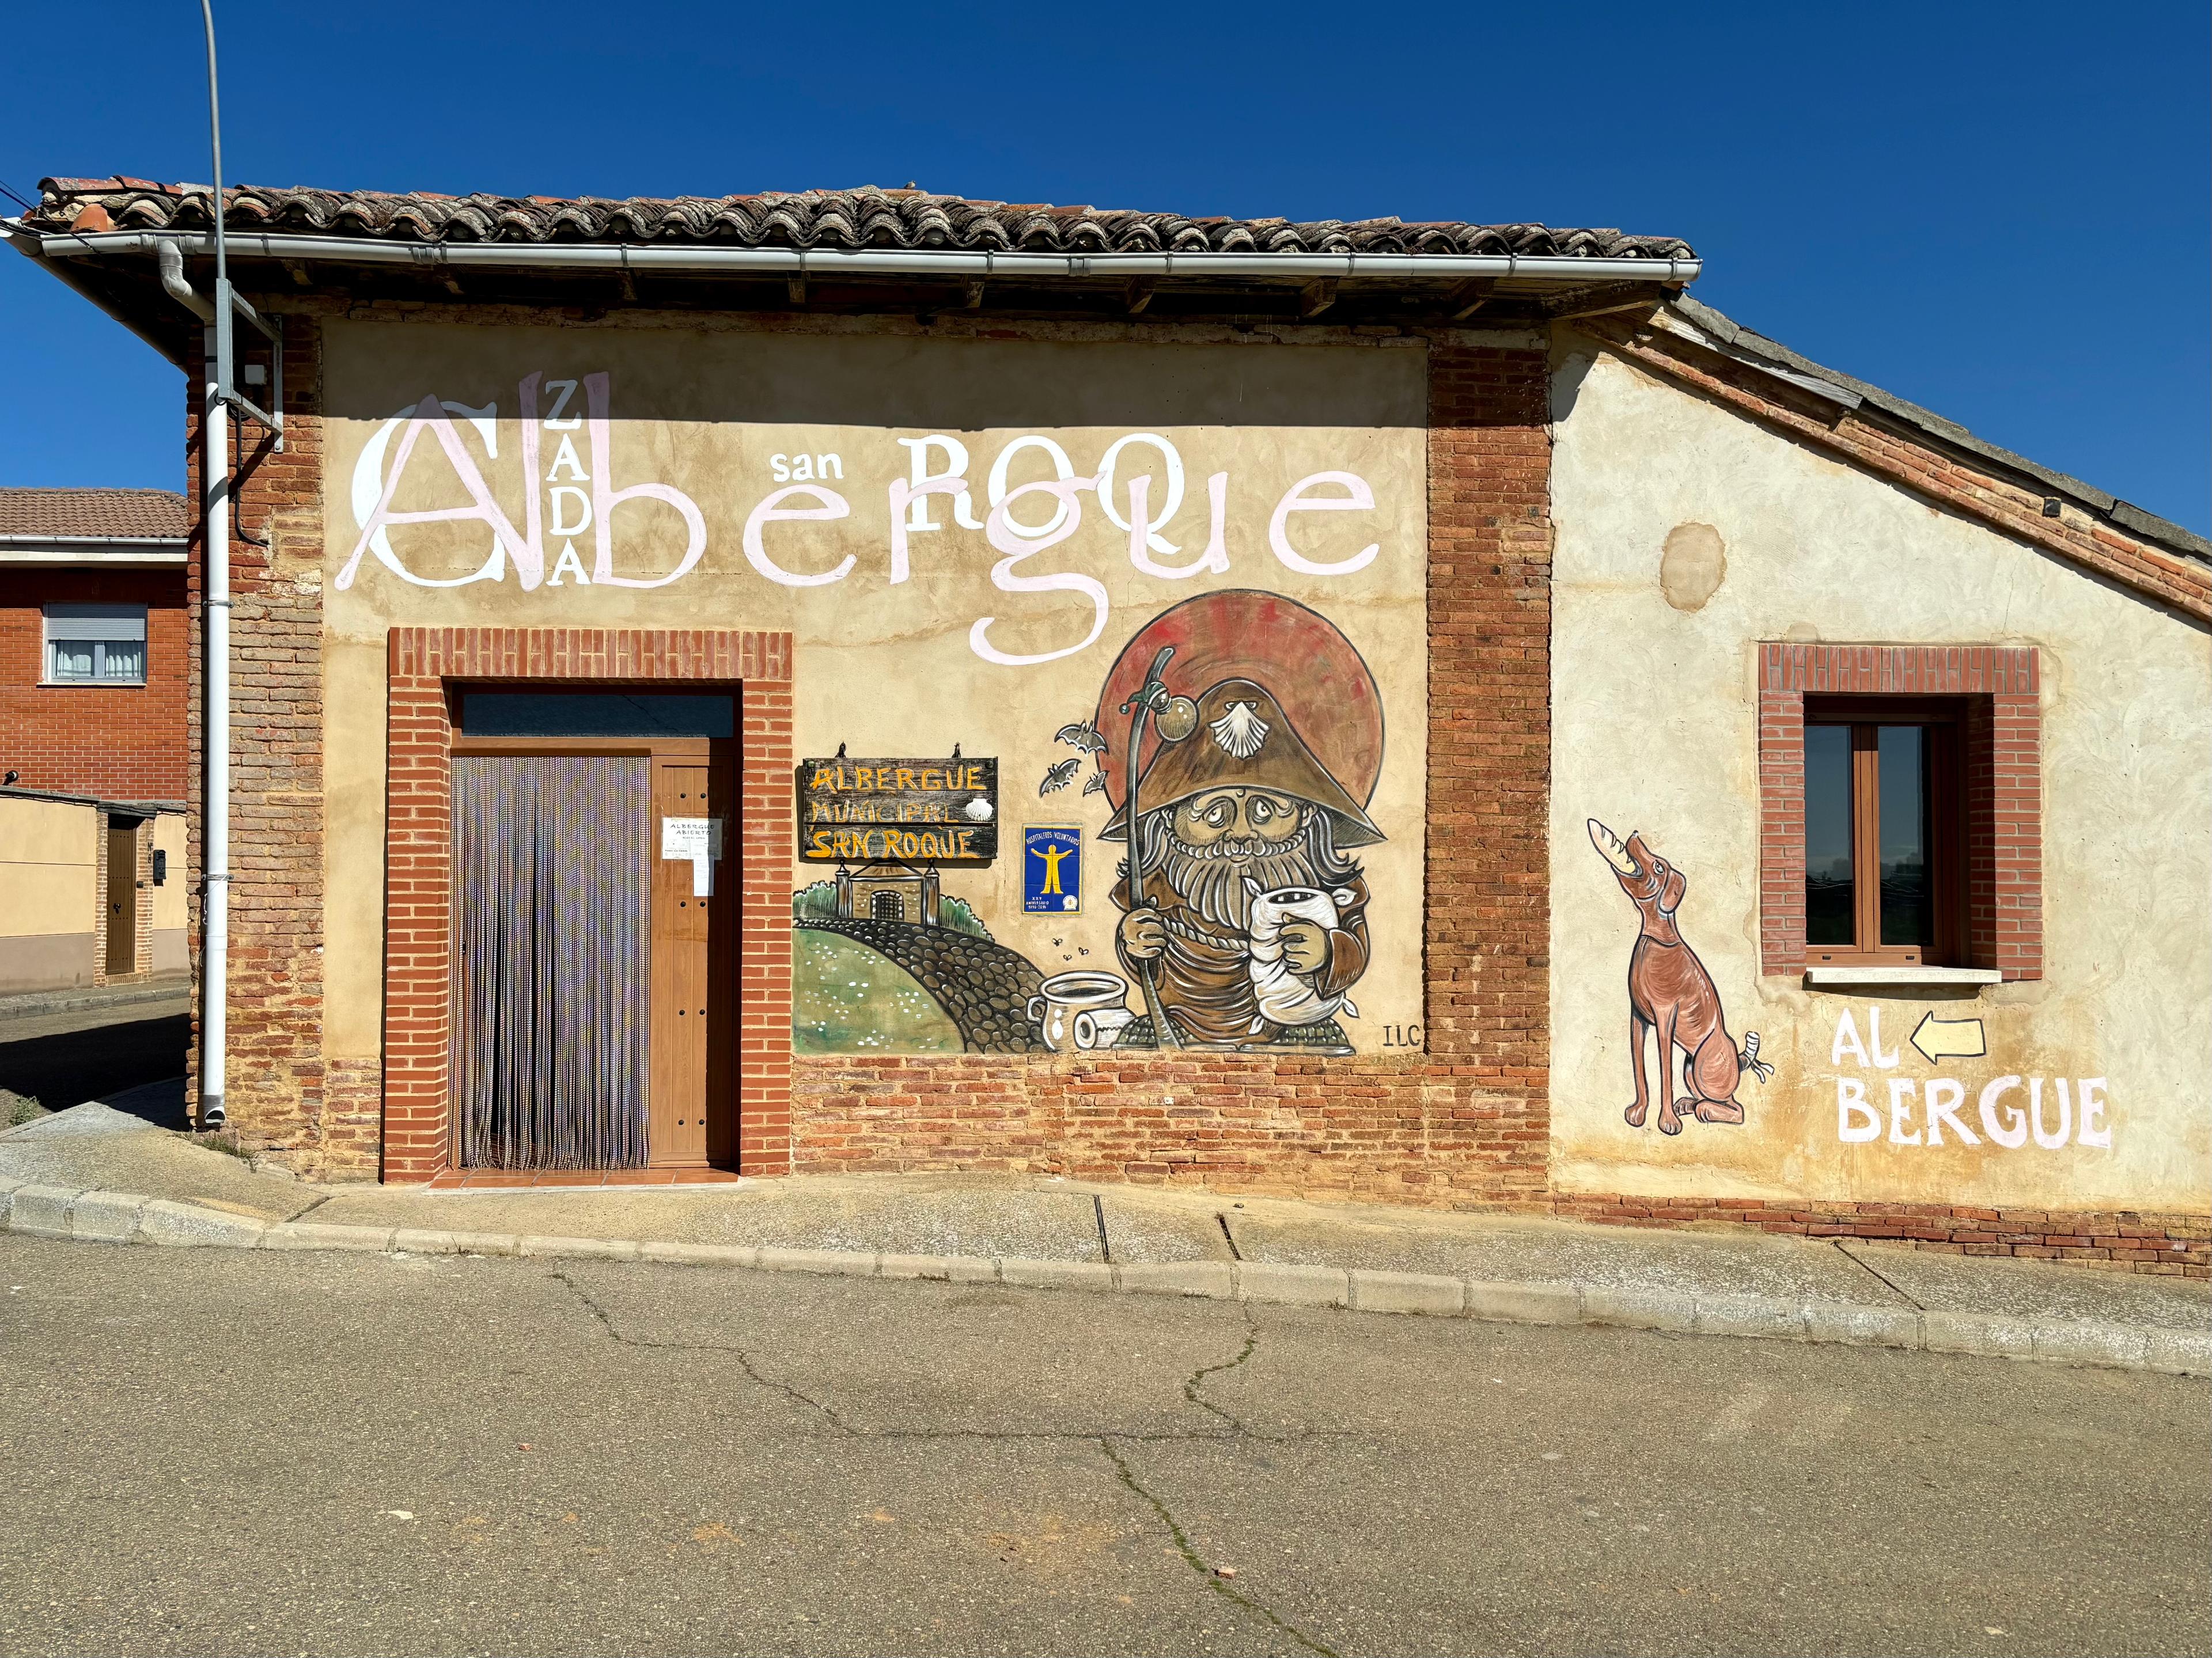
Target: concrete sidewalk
(93, 1170)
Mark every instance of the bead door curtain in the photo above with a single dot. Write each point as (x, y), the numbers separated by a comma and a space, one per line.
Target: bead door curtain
(551, 973)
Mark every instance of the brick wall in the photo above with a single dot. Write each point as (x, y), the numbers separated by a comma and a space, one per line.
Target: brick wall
(2179, 1246)
(1465, 1121)
(274, 1093)
(118, 742)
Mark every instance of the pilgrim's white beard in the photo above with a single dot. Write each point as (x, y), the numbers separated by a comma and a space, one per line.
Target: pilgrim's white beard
(1211, 879)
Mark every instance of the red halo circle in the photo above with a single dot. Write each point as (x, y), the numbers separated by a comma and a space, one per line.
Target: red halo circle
(1311, 669)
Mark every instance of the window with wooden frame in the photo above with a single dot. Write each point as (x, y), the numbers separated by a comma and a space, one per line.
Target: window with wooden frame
(1979, 863)
(1885, 831)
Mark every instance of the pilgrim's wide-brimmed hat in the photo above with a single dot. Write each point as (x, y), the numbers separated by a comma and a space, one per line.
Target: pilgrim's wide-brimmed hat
(1243, 740)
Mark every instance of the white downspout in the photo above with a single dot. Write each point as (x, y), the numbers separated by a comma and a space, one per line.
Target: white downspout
(215, 851)
(215, 957)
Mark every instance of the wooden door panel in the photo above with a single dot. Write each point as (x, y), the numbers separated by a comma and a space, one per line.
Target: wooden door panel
(694, 1008)
(122, 899)
(719, 962)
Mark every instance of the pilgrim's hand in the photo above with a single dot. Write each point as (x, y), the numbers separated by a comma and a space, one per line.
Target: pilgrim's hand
(1143, 936)
(1305, 947)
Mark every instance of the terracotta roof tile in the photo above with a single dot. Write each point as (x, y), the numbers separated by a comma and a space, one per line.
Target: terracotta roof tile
(94, 513)
(867, 217)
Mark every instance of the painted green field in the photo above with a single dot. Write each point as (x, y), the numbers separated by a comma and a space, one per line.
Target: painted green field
(845, 998)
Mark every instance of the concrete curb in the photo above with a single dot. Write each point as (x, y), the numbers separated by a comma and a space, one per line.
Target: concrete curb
(95, 1217)
(45, 1004)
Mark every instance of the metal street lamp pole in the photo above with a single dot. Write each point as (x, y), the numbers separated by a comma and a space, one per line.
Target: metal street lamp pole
(215, 485)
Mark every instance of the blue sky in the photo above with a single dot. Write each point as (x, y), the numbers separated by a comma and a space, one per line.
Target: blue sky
(1999, 211)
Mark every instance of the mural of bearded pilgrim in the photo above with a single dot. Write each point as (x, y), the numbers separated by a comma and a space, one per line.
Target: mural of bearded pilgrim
(1254, 926)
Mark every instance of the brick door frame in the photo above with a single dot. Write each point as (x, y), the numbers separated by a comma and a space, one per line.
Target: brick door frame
(418, 855)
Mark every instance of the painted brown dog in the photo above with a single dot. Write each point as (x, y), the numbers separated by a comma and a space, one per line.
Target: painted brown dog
(1669, 991)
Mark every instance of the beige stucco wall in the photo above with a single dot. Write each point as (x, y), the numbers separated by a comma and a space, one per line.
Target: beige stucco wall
(1655, 729)
(884, 668)
(49, 858)
(171, 898)
(49, 853)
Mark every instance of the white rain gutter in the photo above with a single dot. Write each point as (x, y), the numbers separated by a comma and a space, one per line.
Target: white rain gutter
(828, 263)
(156, 542)
(128, 552)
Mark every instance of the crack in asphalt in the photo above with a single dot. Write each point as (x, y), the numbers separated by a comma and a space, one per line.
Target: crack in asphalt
(829, 1412)
(744, 1359)
(1220, 1585)
(1106, 1443)
(1184, 1546)
(1197, 1377)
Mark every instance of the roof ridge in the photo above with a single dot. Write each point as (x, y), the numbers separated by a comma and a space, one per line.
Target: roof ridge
(2126, 514)
(869, 213)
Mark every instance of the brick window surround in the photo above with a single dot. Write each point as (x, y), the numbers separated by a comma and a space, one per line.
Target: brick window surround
(2003, 786)
(418, 1127)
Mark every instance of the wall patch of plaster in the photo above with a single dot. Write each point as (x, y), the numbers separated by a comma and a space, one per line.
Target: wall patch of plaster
(1692, 565)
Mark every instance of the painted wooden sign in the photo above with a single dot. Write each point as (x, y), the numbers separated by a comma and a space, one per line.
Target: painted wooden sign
(914, 812)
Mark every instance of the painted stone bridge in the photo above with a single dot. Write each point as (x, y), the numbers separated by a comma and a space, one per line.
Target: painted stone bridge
(983, 986)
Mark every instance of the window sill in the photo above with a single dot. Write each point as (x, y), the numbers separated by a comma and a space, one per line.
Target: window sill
(92, 684)
(1846, 978)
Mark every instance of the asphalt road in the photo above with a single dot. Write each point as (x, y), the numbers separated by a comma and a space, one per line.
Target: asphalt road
(224, 1452)
(62, 1059)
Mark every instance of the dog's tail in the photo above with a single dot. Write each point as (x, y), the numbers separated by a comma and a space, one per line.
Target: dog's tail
(1749, 1060)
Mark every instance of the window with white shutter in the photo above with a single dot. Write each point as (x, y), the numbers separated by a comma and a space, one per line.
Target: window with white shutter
(95, 644)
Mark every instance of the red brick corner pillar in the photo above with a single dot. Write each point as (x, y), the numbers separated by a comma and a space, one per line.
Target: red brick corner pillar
(418, 1127)
(1488, 886)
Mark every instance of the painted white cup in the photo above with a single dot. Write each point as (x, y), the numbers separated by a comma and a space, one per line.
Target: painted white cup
(1065, 997)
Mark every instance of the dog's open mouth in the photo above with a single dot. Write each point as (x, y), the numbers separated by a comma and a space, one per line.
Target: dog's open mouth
(1610, 847)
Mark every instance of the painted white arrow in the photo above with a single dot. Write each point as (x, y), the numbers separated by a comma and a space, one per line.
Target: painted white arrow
(1938, 1039)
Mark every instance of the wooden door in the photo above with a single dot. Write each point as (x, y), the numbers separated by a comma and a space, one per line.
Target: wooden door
(694, 1009)
(122, 898)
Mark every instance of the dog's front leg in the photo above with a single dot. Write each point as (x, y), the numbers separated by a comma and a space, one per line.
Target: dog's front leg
(1637, 1031)
(1670, 1120)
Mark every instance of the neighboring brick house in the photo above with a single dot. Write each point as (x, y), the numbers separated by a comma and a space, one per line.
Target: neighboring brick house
(93, 658)
(1576, 755)
(93, 640)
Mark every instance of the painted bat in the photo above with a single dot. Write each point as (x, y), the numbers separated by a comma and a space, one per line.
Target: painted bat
(1057, 777)
(1083, 735)
(1095, 783)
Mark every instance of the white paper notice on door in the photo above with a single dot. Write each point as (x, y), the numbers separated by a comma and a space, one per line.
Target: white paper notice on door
(698, 841)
